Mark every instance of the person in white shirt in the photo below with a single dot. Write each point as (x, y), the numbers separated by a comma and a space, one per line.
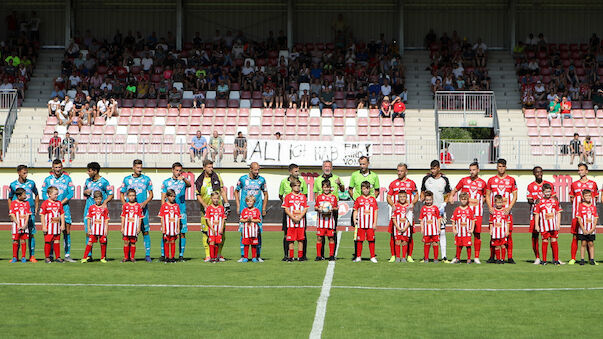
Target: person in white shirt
(480, 44)
(386, 88)
(74, 80)
(65, 111)
(6, 85)
(101, 106)
(53, 106)
(106, 84)
(146, 62)
(531, 40)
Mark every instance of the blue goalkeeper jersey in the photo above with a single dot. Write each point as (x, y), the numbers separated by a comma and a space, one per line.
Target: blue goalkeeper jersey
(30, 189)
(141, 185)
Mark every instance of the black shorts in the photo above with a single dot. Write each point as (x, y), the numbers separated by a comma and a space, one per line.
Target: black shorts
(586, 237)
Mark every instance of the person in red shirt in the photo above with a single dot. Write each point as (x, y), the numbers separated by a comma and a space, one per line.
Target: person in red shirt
(170, 224)
(326, 206)
(365, 215)
(386, 108)
(475, 187)
(53, 223)
(20, 213)
(402, 183)
(548, 220)
(430, 227)
(215, 214)
(504, 185)
(296, 206)
(463, 223)
(499, 228)
(98, 221)
(131, 219)
(402, 220)
(54, 147)
(587, 222)
(534, 195)
(250, 219)
(576, 190)
(398, 109)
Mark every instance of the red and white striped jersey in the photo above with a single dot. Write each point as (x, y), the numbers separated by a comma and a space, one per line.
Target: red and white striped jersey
(576, 192)
(250, 229)
(296, 204)
(547, 210)
(215, 216)
(500, 224)
(399, 214)
(463, 217)
(429, 217)
(366, 211)
(535, 193)
(21, 211)
(587, 213)
(476, 190)
(97, 218)
(323, 221)
(405, 185)
(504, 186)
(170, 214)
(132, 214)
(49, 210)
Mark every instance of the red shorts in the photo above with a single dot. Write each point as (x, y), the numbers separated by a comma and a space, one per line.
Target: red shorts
(499, 242)
(250, 241)
(169, 237)
(402, 238)
(217, 239)
(462, 241)
(130, 238)
(98, 238)
(52, 237)
(20, 236)
(478, 225)
(550, 234)
(295, 234)
(575, 226)
(329, 232)
(367, 234)
(431, 238)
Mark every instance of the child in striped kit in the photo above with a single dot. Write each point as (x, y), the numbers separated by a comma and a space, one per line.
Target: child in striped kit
(53, 223)
(430, 227)
(216, 218)
(98, 221)
(463, 223)
(170, 224)
(499, 229)
(365, 215)
(20, 212)
(250, 219)
(131, 219)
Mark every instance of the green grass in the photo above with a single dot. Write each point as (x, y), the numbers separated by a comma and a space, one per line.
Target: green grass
(110, 311)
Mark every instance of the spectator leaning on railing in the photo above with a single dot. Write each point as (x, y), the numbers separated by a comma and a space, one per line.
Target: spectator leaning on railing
(68, 146)
(54, 147)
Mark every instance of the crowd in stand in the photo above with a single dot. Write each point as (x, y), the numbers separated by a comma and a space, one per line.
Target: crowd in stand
(225, 70)
(18, 52)
(456, 63)
(551, 72)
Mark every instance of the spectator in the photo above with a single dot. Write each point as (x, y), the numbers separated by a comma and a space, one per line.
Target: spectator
(326, 99)
(277, 136)
(587, 151)
(53, 106)
(304, 100)
(175, 98)
(112, 109)
(66, 110)
(54, 147)
(575, 148)
(222, 90)
(68, 146)
(101, 107)
(385, 109)
(6, 85)
(57, 92)
(216, 147)
(314, 101)
(566, 109)
(198, 147)
(75, 120)
(386, 89)
(598, 96)
(240, 147)
(527, 99)
(539, 91)
(278, 98)
(292, 98)
(87, 114)
(399, 109)
(199, 100)
(130, 90)
(554, 109)
(268, 96)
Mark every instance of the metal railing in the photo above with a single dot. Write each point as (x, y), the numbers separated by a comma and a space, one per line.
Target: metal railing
(8, 103)
(468, 151)
(478, 102)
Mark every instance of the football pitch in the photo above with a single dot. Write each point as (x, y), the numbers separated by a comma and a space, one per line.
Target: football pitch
(278, 299)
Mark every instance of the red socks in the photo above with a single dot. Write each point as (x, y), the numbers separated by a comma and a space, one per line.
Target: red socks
(392, 246)
(47, 249)
(291, 253)
(318, 248)
(332, 249)
(23, 249)
(535, 245)
(497, 251)
(404, 251)
(477, 245)
(57, 249)
(555, 247)
(411, 245)
(359, 249)
(426, 252)
(254, 251)
(574, 247)
(545, 245)
(436, 250)
(468, 252)
(15, 249)
(458, 252)
(132, 250)
(246, 251)
(87, 251)
(510, 246)
(103, 250)
(372, 248)
(504, 253)
(127, 252)
(397, 251)
(173, 250)
(300, 254)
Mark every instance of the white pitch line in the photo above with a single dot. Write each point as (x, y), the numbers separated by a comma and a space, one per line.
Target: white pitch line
(152, 285)
(325, 292)
(471, 289)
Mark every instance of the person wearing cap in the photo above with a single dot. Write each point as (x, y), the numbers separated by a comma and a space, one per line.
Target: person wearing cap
(386, 108)
(554, 109)
(540, 91)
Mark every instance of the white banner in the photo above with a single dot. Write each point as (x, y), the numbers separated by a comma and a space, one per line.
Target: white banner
(306, 153)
